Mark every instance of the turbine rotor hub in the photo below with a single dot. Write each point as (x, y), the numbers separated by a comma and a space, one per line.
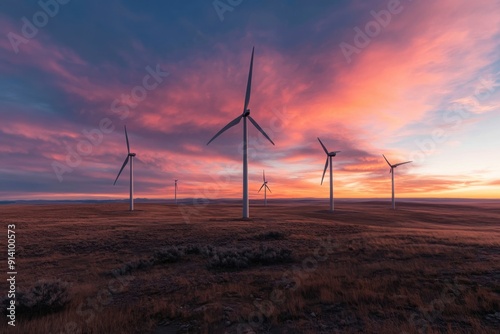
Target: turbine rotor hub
(246, 113)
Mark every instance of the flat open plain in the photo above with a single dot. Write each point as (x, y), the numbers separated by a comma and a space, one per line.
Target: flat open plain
(292, 268)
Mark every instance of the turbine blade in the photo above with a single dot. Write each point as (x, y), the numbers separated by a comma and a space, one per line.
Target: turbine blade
(336, 152)
(249, 83)
(260, 129)
(263, 184)
(387, 160)
(324, 148)
(268, 188)
(402, 163)
(263, 176)
(229, 125)
(326, 166)
(124, 164)
(126, 137)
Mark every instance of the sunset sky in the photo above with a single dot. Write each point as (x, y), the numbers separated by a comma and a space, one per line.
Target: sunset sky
(414, 80)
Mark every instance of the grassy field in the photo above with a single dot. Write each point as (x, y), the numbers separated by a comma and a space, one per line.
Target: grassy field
(291, 268)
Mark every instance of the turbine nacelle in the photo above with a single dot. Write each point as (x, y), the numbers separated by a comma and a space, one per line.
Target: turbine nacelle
(131, 154)
(329, 161)
(395, 165)
(392, 172)
(264, 184)
(246, 111)
(328, 155)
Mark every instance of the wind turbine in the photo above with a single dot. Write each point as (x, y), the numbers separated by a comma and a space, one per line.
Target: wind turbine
(245, 115)
(131, 157)
(265, 186)
(175, 191)
(392, 172)
(329, 156)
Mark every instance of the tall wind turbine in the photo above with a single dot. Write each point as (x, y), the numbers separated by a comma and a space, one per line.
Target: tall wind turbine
(264, 185)
(329, 156)
(392, 172)
(175, 191)
(131, 157)
(245, 115)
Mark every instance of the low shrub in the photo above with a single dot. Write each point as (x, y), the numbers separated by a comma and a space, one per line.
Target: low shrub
(44, 297)
(271, 235)
(238, 259)
(168, 255)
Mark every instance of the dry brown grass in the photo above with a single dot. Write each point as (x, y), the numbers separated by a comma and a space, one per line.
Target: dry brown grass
(421, 269)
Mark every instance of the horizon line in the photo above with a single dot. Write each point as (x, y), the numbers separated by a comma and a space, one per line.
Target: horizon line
(187, 199)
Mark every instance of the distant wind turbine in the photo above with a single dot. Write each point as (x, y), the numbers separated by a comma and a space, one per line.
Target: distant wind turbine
(245, 115)
(264, 185)
(392, 172)
(175, 191)
(329, 156)
(131, 157)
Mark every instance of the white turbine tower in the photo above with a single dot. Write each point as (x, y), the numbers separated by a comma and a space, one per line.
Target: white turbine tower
(329, 156)
(245, 115)
(392, 172)
(175, 191)
(131, 157)
(265, 186)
